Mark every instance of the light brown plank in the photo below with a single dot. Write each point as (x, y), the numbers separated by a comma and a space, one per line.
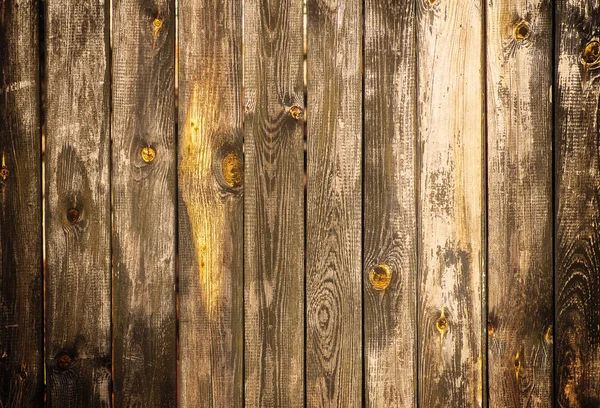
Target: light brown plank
(274, 203)
(144, 203)
(390, 259)
(334, 264)
(210, 203)
(450, 134)
(519, 327)
(78, 286)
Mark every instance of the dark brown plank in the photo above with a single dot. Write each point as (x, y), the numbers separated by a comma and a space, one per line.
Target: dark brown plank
(144, 203)
(577, 206)
(274, 203)
(21, 277)
(450, 134)
(78, 287)
(520, 312)
(390, 262)
(334, 264)
(210, 203)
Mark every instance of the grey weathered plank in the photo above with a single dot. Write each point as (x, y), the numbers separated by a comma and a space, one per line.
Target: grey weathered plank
(210, 203)
(334, 194)
(577, 205)
(21, 288)
(519, 79)
(78, 303)
(450, 132)
(144, 203)
(274, 203)
(390, 262)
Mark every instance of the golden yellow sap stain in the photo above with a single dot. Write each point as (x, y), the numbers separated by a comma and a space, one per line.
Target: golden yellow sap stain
(233, 170)
(380, 276)
(517, 366)
(205, 212)
(3, 169)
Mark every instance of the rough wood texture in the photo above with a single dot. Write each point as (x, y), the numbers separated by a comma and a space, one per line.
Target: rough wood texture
(274, 203)
(450, 131)
(78, 303)
(389, 204)
(21, 289)
(520, 312)
(577, 228)
(143, 183)
(334, 264)
(210, 203)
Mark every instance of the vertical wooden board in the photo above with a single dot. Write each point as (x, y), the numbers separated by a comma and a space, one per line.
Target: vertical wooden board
(210, 203)
(21, 287)
(390, 263)
(334, 194)
(520, 311)
(577, 206)
(78, 287)
(450, 132)
(274, 203)
(143, 186)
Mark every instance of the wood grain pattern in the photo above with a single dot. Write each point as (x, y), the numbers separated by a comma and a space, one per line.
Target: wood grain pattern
(21, 285)
(450, 132)
(274, 203)
(519, 66)
(577, 231)
(210, 203)
(333, 264)
(144, 203)
(389, 203)
(78, 226)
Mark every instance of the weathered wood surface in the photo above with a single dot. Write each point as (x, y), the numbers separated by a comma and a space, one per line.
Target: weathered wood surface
(334, 195)
(450, 131)
(210, 203)
(21, 287)
(78, 226)
(520, 312)
(390, 261)
(144, 204)
(577, 206)
(274, 203)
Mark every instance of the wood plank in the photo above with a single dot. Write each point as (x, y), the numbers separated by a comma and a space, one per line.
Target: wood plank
(144, 203)
(274, 203)
(520, 319)
(334, 195)
(210, 203)
(450, 132)
(21, 276)
(390, 258)
(577, 206)
(78, 287)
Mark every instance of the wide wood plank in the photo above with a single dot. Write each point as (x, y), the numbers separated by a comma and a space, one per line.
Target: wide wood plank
(144, 203)
(520, 278)
(21, 287)
(450, 132)
(78, 228)
(274, 203)
(334, 261)
(210, 203)
(390, 261)
(577, 206)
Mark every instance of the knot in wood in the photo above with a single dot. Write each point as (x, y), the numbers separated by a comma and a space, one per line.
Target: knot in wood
(591, 52)
(4, 172)
(73, 216)
(148, 154)
(233, 170)
(442, 324)
(522, 31)
(64, 361)
(380, 276)
(296, 112)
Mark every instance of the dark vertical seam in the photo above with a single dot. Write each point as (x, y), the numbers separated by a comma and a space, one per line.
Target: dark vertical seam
(176, 191)
(362, 204)
(417, 193)
(484, 271)
(554, 204)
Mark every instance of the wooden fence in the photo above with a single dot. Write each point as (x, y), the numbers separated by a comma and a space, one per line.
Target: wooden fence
(386, 203)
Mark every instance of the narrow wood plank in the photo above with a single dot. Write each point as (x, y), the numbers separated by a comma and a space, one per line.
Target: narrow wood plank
(210, 203)
(519, 67)
(334, 194)
(390, 259)
(143, 186)
(577, 206)
(21, 277)
(274, 203)
(78, 303)
(450, 131)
